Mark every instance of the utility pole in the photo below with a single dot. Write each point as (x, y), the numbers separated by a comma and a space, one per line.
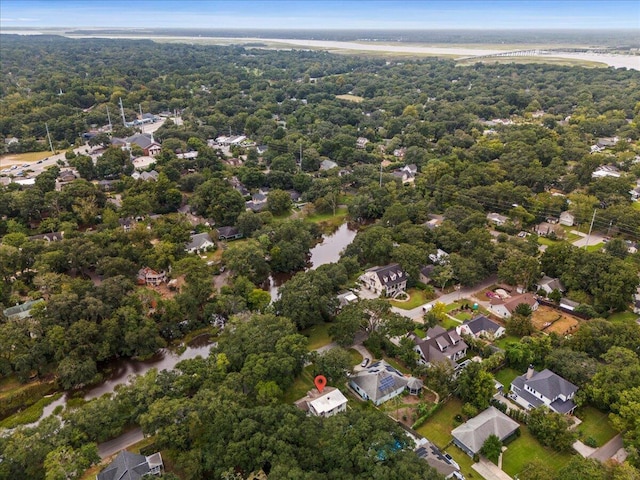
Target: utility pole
(140, 105)
(590, 228)
(109, 117)
(49, 137)
(124, 120)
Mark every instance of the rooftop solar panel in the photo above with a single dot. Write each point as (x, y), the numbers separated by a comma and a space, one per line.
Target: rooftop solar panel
(386, 383)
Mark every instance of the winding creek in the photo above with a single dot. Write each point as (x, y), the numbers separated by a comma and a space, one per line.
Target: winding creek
(121, 370)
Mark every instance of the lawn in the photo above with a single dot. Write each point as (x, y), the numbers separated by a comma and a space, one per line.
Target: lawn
(595, 424)
(20, 158)
(506, 375)
(449, 323)
(438, 428)
(302, 384)
(351, 98)
(318, 336)
(595, 248)
(623, 317)
(523, 450)
(417, 297)
(397, 365)
(547, 241)
(502, 341)
(328, 222)
(463, 316)
(356, 358)
(636, 205)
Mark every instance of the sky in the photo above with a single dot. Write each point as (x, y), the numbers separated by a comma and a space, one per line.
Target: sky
(323, 14)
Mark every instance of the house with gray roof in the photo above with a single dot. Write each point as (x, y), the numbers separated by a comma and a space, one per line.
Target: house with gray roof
(18, 312)
(328, 164)
(48, 237)
(131, 466)
(228, 233)
(534, 389)
(481, 326)
(549, 284)
(199, 242)
(440, 345)
(388, 280)
(471, 435)
(435, 458)
(379, 382)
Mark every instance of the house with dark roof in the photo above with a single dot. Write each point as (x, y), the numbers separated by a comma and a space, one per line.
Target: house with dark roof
(481, 326)
(388, 280)
(435, 458)
(425, 274)
(228, 233)
(130, 466)
(127, 223)
(549, 284)
(379, 382)
(144, 140)
(534, 389)
(199, 242)
(497, 219)
(440, 345)
(471, 435)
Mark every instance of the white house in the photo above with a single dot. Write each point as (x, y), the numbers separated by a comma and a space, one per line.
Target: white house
(388, 280)
(199, 242)
(439, 258)
(504, 308)
(606, 171)
(567, 218)
(498, 219)
(534, 389)
(326, 404)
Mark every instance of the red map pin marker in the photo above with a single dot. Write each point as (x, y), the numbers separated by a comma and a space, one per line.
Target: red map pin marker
(320, 382)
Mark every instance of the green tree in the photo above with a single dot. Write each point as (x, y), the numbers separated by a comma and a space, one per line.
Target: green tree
(475, 385)
(279, 202)
(551, 428)
(492, 448)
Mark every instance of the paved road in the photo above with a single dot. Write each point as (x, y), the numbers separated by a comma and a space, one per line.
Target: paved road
(125, 440)
(608, 450)
(594, 239)
(466, 292)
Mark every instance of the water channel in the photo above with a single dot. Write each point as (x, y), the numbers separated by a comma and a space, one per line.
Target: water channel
(327, 251)
(120, 370)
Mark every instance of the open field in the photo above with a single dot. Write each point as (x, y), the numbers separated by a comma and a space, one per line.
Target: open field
(318, 335)
(506, 375)
(623, 317)
(566, 62)
(351, 98)
(22, 158)
(548, 320)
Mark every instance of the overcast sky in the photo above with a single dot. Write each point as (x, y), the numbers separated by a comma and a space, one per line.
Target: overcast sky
(322, 14)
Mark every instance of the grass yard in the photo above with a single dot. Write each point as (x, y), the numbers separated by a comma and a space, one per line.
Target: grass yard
(506, 375)
(318, 335)
(356, 358)
(623, 317)
(449, 323)
(417, 297)
(595, 424)
(523, 450)
(302, 384)
(438, 428)
(595, 248)
(503, 341)
(351, 98)
(463, 316)
(328, 222)
(636, 205)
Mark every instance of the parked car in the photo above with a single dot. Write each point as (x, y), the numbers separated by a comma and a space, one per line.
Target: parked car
(450, 459)
(365, 362)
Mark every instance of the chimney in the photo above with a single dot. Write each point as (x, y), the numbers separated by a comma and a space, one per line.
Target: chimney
(530, 371)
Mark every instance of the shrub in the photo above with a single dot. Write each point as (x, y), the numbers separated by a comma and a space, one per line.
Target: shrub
(591, 442)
